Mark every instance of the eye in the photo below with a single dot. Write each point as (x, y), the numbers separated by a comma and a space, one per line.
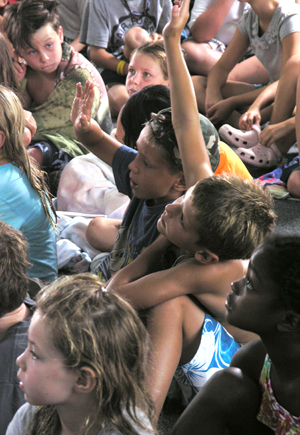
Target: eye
(131, 71)
(34, 356)
(147, 164)
(49, 45)
(146, 74)
(181, 220)
(248, 284)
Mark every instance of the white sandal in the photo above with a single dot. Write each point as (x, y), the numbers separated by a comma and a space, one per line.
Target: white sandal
(239, 138)
(260, 156)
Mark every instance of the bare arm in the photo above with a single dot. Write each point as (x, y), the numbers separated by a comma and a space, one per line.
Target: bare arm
(105, 60)
(185, 116)
(87, 130)
(218, 75)
(77, 45)
(208, 24)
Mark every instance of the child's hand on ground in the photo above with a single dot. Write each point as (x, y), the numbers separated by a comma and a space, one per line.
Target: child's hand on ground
(179, 17)
(82, 107)
(252, 116)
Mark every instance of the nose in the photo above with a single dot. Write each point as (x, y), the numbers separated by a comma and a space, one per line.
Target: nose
(43, 56)
(172, 209)
(236, 285)
(133, 166)
(21, 361)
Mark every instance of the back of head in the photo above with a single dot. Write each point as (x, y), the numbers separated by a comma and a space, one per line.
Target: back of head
(8, 77)
(23, 19)
(138, 109)
(282, 252)
(233, 216)
(13, 267)
(100, 330)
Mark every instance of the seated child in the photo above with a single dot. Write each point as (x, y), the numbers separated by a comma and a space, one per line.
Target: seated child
(89, 377)
(162, 168)
(259, 393)
(15, 312)
(25, 202)
(52, 71)
(217, 223)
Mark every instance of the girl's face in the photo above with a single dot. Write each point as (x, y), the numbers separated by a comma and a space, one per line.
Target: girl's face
(45, 52)
(254, 303)
(44, 379)
(143, 71)
(178, 223)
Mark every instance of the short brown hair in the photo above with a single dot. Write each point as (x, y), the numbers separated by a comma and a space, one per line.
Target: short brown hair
(233, 215)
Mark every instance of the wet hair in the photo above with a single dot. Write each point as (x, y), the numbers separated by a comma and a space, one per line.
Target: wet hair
(8, 77)
(282, 253)
(12, 125)
(13, 268)
(233, 216)
(138, 109)
(156, 51)
(22, 20)
(100, 330)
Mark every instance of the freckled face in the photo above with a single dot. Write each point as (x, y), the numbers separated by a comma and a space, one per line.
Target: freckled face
(44, 379)
(143, 71)
(45, 52)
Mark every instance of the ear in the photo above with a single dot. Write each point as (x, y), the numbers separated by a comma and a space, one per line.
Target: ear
(2, 139)
(61, 34)
(290, 323)
(204, 256)
(86, 380)
(179, 184)
(3, 3)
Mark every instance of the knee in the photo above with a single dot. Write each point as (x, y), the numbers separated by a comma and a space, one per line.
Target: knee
(293, 184)
(135, 37)
(117, 96)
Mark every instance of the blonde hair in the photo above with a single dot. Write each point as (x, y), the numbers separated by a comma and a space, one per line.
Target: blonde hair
(156, 51)
(12, 125)
(99, 330)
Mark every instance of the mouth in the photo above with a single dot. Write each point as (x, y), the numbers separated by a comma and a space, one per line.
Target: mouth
(228, 303)
(131, 91)
(21, 386)
(133, 185)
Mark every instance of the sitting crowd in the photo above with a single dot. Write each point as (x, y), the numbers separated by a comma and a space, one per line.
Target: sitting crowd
(139, 144)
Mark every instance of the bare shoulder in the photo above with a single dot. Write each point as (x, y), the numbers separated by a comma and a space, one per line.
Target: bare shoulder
(250, 358)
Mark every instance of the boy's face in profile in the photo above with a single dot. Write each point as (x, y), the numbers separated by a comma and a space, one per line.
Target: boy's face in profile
(178, 223)
(150, 176)
(45, 52)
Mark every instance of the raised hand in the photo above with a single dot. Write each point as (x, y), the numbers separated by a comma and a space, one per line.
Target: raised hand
(82, 107)
(179, 17)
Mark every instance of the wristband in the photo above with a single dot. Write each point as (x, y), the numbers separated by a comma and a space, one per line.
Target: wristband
(120, 68)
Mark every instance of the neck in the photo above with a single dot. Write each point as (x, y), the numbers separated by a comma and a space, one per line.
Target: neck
(284, 351)
(12, 318)
(3, 159)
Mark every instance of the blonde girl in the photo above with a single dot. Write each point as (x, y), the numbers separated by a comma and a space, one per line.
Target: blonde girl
(83, 371)
(25, 202)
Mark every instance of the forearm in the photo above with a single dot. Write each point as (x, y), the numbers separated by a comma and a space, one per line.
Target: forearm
(244, 100)
(105, 60)
(266, 96)
(77, 45)
(208, 24)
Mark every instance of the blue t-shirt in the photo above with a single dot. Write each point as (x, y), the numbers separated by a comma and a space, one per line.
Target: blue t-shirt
(138, 229)
(21, 207)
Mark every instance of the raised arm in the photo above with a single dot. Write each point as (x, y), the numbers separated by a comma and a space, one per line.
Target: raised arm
(87, 130)
(185, 117)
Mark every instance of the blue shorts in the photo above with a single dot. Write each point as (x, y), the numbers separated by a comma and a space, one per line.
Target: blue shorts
(215, 352)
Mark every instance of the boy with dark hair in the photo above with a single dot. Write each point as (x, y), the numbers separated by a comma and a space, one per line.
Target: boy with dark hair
(51, 71)
(15, 312)
(216, 224)
(162, 168)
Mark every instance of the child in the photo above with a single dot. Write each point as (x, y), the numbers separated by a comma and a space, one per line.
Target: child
(113, 30)
(52, 72)
(15, 312)
(84, 368)
(153, 176)
(273, 29)
(25, 202)
(259, 393)
(219, 221)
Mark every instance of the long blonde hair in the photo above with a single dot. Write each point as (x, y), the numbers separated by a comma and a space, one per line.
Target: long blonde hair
(12, 125)
(100, 330)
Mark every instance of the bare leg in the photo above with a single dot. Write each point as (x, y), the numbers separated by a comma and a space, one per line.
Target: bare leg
(175, 330)
(293, 184)
(117, 96)
(135, 37)
(250, 70)
(101, 233)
